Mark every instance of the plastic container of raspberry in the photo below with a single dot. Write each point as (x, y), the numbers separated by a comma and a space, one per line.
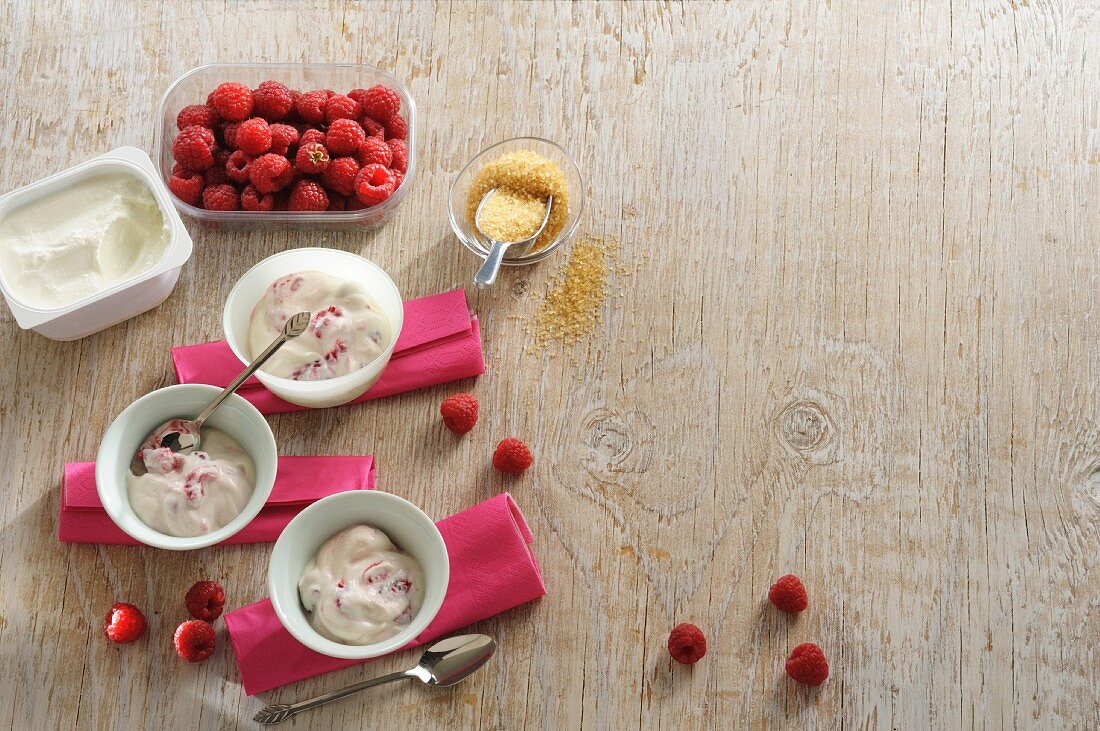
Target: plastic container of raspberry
(193, 87)
(126, 299)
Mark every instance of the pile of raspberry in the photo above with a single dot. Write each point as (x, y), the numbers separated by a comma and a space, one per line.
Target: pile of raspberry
(275, 149)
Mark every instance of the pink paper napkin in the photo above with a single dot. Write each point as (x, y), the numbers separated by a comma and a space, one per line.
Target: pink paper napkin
(492, 570)
(299, 481)
(440, 341)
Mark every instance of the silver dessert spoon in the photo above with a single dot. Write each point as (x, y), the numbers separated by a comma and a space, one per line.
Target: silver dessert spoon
(487, 274)
(444, 663)
(186, 439)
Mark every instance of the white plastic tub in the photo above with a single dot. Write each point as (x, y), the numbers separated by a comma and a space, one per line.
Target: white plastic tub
(125, 299)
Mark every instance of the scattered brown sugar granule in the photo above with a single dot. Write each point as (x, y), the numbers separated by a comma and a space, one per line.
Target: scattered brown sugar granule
(523, 179)
(574, 305)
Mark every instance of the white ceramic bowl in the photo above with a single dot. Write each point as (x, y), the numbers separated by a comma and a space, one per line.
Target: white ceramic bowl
(405, 524)
(250, 289)
(126, 299)
(236, 417)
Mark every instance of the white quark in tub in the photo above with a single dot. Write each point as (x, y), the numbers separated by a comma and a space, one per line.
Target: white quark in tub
(81, 240)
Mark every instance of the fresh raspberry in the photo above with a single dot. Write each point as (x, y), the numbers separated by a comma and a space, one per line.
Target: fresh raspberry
(358, 95)
(197, 115)
(272, 101)
(311, 135)
(354, 204)
(270, 173)
(295, 95)
(229, 133)
(253, 200)
(254, 136)
(686, 644)
(372, 127)
(187, 188)
(374, 184)
(339, 106)
(512, 455)
(236, 167)
(311, 106)
(181, 171)
(340, 175)
(397, 129)
(807, 664)
(312, 158)
(233, 101)
(374, 151)
(217, 174)
(344, 137)
(194, 640)
(337, 202)
(283, 137)
(459, 412)
(381, 103)
(204, 600)
(308, 195)
(398, 179)
(221, 197)
(400, 153)
(124, 623)
(788, 594)
(194, 148)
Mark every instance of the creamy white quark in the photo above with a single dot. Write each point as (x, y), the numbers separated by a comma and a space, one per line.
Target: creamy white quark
(81, 240)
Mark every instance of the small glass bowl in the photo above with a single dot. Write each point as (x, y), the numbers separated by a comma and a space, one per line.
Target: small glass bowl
(456, 199)
(192, 88)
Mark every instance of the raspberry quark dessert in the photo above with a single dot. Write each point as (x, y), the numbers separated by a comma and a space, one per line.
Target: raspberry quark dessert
(348, 329)
(360, 588)
(192, 494)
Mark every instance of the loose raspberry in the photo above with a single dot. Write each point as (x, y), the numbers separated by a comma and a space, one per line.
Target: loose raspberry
(372, 127)
(400, 153)
(187, 188)
(253, 200)
(233, 101)
(344, 137)
(374, 184)
(194, 148)
(194, 640)
(283, 137)
(686, 644)
(381, 102)
(788, 594)
(270, 173)
(512, 456)
(229, 134)
(340, 175)
(807, 664)
(124, 623)
(217, 173)
(311, 135)
(236, 167)
(397, 129)
(374, 151)
(312, 158)
(221, 197)
(197, 115)
(204, 600)
(459, 412)
(311, 106)
(339, 106)
(254, 136)
(272, 101)
(308, 195)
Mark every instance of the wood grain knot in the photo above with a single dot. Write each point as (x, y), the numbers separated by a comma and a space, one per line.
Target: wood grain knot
(609, 439)
(1090, 486)
(520, 287)
(804, 427)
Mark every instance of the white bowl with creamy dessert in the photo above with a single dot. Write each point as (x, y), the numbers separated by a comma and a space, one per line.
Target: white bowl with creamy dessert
(357, 314)
(186, 501)
(358, 574)
(90, 246)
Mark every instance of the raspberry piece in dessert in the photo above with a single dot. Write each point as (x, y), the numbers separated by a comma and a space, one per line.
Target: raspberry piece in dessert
(807, 664)
(124, 623)
(686, 644)
(459, 412)
(233, 101)
(788, 594)
(194, 148)
(205, 600)
(272, 100)
(254, 136)
(194, 640)
(512, 456)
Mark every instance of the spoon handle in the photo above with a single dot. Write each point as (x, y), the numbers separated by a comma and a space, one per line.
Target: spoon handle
(487, 274)
(273, 714)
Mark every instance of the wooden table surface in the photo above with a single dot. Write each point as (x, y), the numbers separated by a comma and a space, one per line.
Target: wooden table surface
(854, 334)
